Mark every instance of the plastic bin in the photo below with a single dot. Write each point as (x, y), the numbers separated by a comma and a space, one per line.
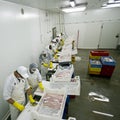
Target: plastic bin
(94, 67)
(95, 63)
(107, 70)
(94, 73)
(94, 57)
(99, 53)
(108, 66)
(108, 61)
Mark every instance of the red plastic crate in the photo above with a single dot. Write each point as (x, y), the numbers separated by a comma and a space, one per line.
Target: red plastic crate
(107, 70)
(99, 53)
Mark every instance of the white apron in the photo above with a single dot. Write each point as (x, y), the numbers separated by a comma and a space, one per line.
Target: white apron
(18, 94)
(32, 80)
(44, 70)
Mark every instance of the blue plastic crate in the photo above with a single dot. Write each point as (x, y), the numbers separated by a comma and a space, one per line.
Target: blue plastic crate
(95, 63)
(108, 60)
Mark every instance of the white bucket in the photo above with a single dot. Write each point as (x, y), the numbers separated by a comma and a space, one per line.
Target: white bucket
(77, 58)
(71, 118)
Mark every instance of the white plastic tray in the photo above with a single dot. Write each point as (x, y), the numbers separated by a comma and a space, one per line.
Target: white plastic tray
(62, 74)
(72, 87)
(46, 112)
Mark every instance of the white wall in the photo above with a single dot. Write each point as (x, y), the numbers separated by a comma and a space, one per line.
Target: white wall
(22, 38)
(89, 24)
(109, 32)
(48, 20)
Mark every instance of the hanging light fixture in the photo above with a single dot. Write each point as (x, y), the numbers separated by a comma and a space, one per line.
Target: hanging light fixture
(75, 9)
(111, 4)
(110, 1)
(78, 8)
(117, 1)
(72, 3)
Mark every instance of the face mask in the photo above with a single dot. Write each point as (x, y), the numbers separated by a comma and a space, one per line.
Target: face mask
(44, 55)
(32, 70)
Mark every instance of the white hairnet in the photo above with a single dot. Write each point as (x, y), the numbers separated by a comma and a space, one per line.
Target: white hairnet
(33, 65)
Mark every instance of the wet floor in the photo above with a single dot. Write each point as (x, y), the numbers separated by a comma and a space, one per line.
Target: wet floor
(82, 107)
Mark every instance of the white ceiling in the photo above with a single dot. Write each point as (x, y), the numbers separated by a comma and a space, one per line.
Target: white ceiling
(55, 5)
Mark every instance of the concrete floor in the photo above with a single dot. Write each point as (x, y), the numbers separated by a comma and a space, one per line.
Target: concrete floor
(81, 107)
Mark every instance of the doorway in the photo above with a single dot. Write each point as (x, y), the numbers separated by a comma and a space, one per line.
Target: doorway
(108, 35)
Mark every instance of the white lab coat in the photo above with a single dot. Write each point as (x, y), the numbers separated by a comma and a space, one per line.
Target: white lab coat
(34, 78)
(15, 89)
(50, 51)
(46, 60)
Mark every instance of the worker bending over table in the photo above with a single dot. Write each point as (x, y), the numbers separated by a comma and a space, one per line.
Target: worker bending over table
(35, 78)
(45, 62)
(14, 91)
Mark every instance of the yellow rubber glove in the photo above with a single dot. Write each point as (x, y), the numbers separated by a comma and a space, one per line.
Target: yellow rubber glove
(51, 65)
(55, 56)
(45, 64)
(41, 86)
(18, 106)
(32, 101)
(31, 87)
(62, 42)
(56, 51)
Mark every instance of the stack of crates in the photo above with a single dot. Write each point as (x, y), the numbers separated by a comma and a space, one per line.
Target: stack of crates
(108, 65)
(95, 65)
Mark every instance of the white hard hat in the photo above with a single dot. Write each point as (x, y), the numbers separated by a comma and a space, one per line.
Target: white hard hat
(23, 71)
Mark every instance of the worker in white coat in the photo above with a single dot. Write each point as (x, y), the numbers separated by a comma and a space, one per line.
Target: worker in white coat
(14, 91)
(45, 61)
(35, 78)
(50, 50)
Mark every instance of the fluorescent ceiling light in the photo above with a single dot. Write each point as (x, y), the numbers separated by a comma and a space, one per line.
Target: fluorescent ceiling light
(111, 1)
(117, 1)
(72, 3)
(75, 9)
(110, 5)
